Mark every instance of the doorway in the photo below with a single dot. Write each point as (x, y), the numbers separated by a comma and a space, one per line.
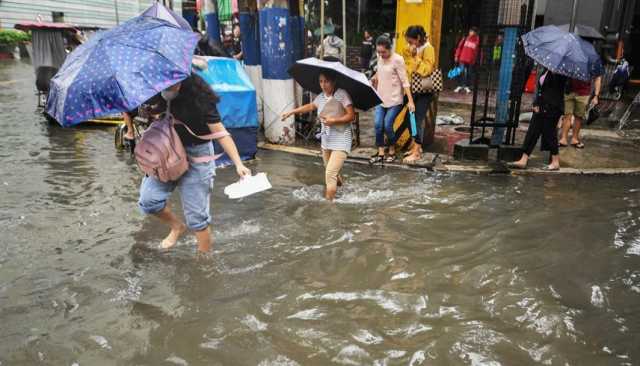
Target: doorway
(457, 17)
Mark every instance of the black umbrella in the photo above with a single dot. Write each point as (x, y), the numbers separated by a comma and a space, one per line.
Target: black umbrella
(583, 31)
(307, 73)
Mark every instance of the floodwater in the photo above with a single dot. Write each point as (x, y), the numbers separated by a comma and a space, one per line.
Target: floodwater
(407, 268)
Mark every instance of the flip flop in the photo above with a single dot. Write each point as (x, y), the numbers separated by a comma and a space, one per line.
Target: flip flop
(376, 159)
(548, 168)
(578, 145)
(562, 145)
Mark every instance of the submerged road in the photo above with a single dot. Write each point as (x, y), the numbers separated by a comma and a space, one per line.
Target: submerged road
(406, 268)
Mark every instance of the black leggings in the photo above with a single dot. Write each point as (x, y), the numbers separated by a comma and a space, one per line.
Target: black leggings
(545, 124)
(422, 102)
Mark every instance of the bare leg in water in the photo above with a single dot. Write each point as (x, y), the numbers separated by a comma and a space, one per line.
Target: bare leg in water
(177, 227)
(129, 123)
(204, 240)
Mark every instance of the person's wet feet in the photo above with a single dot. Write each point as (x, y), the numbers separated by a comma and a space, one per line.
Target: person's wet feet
(551, 168)
(412, 158)
(171, 239)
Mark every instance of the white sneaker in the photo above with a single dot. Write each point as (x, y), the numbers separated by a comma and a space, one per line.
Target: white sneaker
(467, 90)
(457, 90)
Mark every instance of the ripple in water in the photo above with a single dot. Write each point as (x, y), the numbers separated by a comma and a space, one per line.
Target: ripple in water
(309, 314)
(255, 325)
(350, 195)
(393, 302)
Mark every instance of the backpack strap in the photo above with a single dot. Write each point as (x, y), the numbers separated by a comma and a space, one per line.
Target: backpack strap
(207, 137)
(204, 159)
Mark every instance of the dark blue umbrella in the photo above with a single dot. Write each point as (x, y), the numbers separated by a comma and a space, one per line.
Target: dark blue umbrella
(119, 69)
(563, 53)
(159, 11)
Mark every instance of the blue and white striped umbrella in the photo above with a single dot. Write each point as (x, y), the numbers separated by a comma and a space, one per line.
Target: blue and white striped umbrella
(119, 69)
(563, 53)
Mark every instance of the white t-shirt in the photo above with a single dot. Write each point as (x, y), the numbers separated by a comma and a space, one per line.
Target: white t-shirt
(335, 137)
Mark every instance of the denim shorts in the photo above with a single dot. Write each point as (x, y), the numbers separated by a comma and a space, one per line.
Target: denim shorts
(195, 190)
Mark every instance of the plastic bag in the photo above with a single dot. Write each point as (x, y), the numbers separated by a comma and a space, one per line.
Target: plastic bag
(455, 72)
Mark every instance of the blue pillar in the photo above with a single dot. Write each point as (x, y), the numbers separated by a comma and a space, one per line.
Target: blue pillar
(276, 57)
(504, 86)
(211, 18)
(191, 17)
(250, 36)
(297, 34)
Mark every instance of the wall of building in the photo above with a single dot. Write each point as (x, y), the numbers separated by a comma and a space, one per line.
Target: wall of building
(589, 12)
(93, 13)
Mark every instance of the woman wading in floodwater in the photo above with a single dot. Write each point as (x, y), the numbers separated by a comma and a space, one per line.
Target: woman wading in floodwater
(194, 103)
(336, 128)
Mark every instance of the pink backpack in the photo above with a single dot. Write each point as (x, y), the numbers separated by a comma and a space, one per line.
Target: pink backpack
(160, 153)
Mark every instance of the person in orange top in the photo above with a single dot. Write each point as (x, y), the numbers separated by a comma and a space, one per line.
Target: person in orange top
(420, 58)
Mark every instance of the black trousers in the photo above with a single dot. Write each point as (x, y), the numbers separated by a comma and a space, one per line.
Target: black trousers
(545, 124)
(422, 103)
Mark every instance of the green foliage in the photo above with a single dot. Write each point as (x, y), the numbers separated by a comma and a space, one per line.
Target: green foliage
(11, 37)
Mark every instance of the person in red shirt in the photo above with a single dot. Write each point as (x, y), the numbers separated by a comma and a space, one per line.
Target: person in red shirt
(465, 56)
(576, 103)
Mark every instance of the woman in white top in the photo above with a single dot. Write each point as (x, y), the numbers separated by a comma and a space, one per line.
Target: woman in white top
(336, 128)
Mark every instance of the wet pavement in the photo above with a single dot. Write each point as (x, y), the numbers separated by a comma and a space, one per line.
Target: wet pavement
(606, 148)
(406, 268)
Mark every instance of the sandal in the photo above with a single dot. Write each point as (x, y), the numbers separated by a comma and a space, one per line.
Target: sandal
(376, 159)
(548, 168)
(390, 158)
(578, 145)
(562, 145)
(409, 159)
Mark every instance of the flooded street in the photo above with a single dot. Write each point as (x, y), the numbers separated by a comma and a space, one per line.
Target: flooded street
(407, 268)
